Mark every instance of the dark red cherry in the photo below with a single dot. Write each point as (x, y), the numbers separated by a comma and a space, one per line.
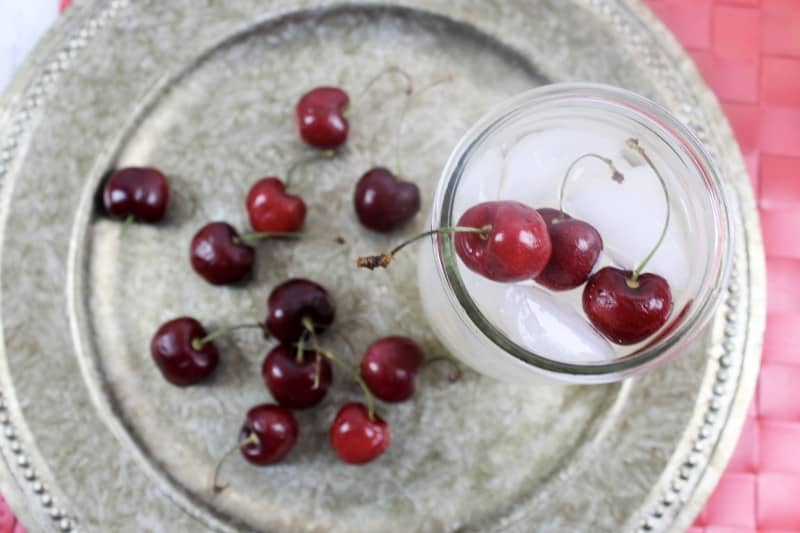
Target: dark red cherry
(320, 117)
(355, 438)
(177, 351)
(516, 248)
(576, 246)
(294, 301)
(296, 384)
(270, 208)
(219, 255)
(389, 368)
(141, 192)
(275, 430)
(624, 311)
(383, 202)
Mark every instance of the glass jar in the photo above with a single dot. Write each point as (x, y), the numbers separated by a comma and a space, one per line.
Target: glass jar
(462, 325)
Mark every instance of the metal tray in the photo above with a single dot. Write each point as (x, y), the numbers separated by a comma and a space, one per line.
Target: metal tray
(93, 439)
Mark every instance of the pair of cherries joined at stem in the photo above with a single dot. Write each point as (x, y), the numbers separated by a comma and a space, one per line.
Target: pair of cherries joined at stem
(507, 241)
(185, 352)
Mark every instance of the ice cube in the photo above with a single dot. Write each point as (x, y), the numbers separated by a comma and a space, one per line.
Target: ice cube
(535, 165)
(539, 320)
(480, 181)
(630, 216)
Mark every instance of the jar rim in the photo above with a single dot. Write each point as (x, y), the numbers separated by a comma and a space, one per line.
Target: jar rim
(444, 249)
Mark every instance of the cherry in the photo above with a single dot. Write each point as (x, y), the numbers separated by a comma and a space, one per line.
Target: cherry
(219, 255)
(182, 355)
(320, 117)
(296, 304)
(389, 368)
(576, 246)
(383, 202)
(627, 306)
(138, 192)
(356, 438)
(294, 383)
(272, 431)
(517, 246)
(270, 208)
(623, 310)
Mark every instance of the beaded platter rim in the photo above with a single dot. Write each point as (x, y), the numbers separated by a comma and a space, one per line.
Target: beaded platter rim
(700, 457)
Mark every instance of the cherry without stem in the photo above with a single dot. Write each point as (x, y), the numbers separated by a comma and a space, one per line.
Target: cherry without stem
(576, 245)
(389, 368)
(270, 208)
(296, 382)
(358, 438)
(140, 193)
(383, 202)
(293, 303)
(320, 117)
(181, 354)
(219, 254)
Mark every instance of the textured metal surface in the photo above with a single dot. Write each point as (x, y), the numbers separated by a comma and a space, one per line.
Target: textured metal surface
(95, 440)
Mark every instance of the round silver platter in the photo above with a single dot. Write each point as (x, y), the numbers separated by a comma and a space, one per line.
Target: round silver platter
(93, 439)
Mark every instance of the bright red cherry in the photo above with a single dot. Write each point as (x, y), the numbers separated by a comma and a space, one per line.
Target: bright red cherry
(219, 255)
(517, 246)
(180, 354)
(293, 302)
(576, 246)
(140, 192)
(625, 311)
(383, 202)
(355, 438)
(272, 431)
(296, 384)
(270, 208)
(389, 368)
(320, 117)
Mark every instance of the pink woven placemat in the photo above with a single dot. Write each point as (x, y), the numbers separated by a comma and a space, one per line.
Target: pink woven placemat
(749, 53)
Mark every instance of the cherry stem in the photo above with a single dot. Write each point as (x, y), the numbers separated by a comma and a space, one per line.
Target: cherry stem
(616, 175)
(254, 236)
(351, 369)
(404, 112)
(457, 372)
(389, 70)
(347, 342)
(325, 154)
(198, 344)
(215, 486)
(317, 371)
(127, 222)
(301, 347)
(393, 69)
(633, 144)
(374, 261)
